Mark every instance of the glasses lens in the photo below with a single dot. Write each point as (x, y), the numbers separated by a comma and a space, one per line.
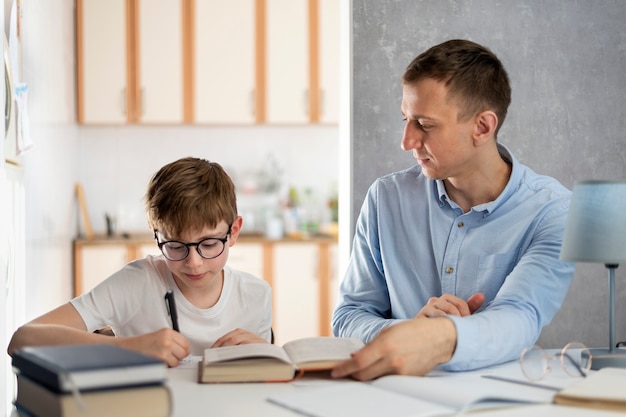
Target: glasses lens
(535, 363)
(571, 359)
(175, 251)
(211, 248)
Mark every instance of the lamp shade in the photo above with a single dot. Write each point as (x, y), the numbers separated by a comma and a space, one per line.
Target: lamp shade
(596, 223)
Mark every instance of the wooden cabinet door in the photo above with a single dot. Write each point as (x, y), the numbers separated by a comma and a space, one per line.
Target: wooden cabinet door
(329, 60)
(247, 257)
(98, 262)
(296, 291)
(224, 58)
(333, 285)
(102, 64)
(287, 61)
(147, 249)
(159, 61)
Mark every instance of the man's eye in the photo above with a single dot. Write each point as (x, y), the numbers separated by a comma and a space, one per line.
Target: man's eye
(417, 122)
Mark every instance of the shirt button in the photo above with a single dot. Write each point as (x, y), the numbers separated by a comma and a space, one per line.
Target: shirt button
(460, 224)
(449, 270)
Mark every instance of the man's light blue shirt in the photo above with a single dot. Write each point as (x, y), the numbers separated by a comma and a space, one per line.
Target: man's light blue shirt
(412, 243)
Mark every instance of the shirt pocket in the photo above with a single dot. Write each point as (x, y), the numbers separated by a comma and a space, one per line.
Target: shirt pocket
(492, 271)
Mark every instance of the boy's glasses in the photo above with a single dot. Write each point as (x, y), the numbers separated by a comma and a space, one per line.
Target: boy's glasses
(210, 248)
(535, 361)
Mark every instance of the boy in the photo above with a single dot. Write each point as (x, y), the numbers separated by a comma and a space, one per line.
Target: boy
(191, 208)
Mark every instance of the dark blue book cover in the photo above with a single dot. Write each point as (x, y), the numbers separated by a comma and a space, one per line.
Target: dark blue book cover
(66, 368)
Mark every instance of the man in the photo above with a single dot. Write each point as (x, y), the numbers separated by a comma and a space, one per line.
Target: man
(455, 261)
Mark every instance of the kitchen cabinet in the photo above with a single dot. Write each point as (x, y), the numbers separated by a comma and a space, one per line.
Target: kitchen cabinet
(287, 47)
(102, 61)
(302, 61)
(249, 257)
(297, 292)
(97, 263)
(159, 62)
(129, 61)
(329, 61)
(301, 272)
(303, 277)
(224, 62)
(207, 61)
(95, 259)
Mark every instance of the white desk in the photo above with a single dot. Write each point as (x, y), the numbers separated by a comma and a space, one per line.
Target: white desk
(191, 399)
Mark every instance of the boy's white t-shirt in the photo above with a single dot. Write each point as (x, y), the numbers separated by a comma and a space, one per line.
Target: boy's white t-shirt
(132, 302)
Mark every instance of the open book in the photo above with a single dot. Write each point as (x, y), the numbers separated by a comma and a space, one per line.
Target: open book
(400, 396)
(260, 362)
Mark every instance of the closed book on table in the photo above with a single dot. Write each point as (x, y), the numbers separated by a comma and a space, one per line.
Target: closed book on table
(604, 389)
(138, 401)
(86, 367)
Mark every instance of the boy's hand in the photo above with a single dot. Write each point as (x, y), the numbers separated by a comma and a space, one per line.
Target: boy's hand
(238, 337)
(165, 344)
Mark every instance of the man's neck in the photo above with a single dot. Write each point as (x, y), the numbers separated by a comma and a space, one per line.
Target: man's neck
(483, 185)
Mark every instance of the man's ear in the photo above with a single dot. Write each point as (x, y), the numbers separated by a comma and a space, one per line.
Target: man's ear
(485, 128)
(235, 228)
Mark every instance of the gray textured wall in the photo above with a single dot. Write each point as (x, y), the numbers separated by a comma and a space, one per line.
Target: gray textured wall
(567, 65)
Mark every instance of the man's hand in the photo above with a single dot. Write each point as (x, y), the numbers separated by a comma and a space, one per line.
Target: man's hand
(450, 304)
(165, 344)
(238, 337)
(412, 347)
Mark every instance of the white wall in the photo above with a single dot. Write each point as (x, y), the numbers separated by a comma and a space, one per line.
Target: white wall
(115, 164)
(47, 42)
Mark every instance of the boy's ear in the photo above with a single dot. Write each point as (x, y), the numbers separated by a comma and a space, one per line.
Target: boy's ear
(235, 228)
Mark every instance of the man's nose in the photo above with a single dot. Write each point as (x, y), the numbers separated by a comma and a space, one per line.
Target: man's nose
(411, 138)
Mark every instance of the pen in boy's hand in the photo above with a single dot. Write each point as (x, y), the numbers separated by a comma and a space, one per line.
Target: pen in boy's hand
(171, 309)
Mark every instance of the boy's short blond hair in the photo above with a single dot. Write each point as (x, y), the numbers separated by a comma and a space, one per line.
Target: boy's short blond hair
(188, 195)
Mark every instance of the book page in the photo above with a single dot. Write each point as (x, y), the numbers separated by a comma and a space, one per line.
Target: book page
(464, 391)
(248, 351)
(190, 361)
(314, 349)
(349, 398)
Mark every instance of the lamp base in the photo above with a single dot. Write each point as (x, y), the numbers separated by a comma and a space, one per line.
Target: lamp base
(603, 358)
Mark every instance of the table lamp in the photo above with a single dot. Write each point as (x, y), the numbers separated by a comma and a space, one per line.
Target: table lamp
(596, 232)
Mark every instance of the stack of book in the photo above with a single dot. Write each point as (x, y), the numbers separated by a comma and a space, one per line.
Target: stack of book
(90, 381)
